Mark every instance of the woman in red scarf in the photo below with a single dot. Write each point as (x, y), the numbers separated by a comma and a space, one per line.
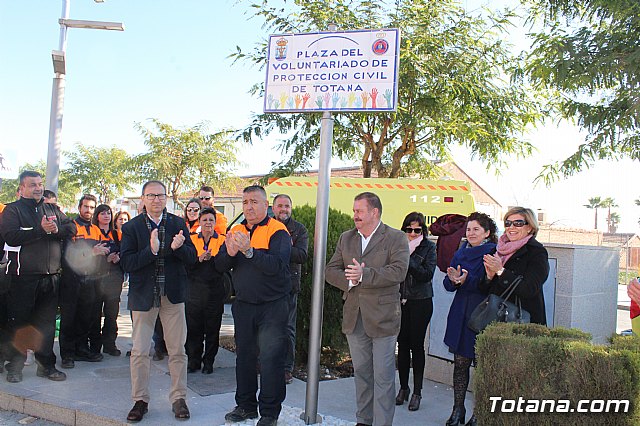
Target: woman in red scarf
(519, 254)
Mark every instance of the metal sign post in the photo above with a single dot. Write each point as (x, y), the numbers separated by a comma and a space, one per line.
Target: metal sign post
(352, 71)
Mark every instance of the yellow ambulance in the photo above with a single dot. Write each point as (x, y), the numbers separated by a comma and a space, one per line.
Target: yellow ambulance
(433, 198)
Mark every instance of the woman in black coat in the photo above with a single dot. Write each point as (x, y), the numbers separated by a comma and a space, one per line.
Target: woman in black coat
(416, 293)
(519, 254)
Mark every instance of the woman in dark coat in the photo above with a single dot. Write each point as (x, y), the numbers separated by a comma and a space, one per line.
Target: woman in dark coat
(464, 277)
(520, 254)
(416, 293)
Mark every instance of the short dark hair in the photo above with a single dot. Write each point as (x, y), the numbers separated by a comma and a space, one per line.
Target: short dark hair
(101, 208)
(486, 223)
(152, 182)
(255, 188)
(206, 188)
(27, 173)
(416, 217)
(49, 194)
(209, 210)
(87, 197)
(372, 199)
(283, 196)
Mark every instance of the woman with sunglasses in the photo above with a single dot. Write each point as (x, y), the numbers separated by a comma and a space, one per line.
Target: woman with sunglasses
(519, 254)
(192, 214)
(416, 293)
(464, 276)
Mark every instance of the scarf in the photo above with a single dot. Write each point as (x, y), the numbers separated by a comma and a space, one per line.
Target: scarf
(158, 288)
(414, 243)
(506, 248)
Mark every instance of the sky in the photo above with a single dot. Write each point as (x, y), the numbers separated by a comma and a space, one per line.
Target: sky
(171, 63)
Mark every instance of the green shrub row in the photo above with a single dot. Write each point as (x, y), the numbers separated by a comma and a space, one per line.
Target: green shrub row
(526, 363)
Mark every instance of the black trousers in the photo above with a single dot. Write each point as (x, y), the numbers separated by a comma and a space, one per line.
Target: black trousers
(77, 314)
(204, 309)
(261, 328)
(107, 305)
(415, 318)
(31, 308)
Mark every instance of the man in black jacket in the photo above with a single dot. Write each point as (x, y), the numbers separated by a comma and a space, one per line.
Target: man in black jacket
(33, 231)
(155, 249)
(300, 244)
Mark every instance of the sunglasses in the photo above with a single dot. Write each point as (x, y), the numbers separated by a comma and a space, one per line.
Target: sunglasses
(517, 223)
(205, 198)
(193, 209)
(409, 230)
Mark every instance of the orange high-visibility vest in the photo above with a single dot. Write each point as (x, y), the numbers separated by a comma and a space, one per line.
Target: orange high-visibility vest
(261, 233)
(214, 243)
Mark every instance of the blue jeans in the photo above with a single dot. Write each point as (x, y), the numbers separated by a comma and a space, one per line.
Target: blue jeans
(260, 330)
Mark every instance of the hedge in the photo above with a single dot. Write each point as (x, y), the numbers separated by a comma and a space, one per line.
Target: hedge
(526, 363)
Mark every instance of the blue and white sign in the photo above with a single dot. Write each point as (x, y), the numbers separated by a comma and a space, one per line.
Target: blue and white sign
(333, 71)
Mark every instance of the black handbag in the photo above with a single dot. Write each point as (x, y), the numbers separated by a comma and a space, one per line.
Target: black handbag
(499, 309)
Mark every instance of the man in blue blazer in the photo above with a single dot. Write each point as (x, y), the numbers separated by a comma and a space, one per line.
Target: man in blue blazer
(154, 250)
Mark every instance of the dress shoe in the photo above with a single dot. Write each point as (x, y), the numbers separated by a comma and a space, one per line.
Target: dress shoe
(180, 409)
(67, 363)
(207, 369)
(14, 376)
(192, 367)
(473, 421)
(457, 416)
(158, 356)
(239, 414)
(267, 421)
(414, 404)
(51, 373)
(403, 395)
(288, 377)
(362, 424)
(113, 351)
(140, 408)
(88, 356)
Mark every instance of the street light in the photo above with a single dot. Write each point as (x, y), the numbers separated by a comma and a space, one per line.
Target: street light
(57, 93)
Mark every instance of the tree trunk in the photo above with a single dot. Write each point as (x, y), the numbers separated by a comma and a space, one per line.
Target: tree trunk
(595, 224)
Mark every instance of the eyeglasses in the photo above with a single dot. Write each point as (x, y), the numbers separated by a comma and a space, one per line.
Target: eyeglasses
(517, 223)
(193, 209)
(409, 230)
(160, 197)
(205, 198)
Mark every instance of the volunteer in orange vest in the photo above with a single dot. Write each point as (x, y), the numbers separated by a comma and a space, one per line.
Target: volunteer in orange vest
(259, 251)
(192, 215)
(83, 254)
(205, 300)
(206, 200)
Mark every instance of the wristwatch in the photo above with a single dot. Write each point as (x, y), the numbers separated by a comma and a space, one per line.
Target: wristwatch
(248, 253)
(500, 271)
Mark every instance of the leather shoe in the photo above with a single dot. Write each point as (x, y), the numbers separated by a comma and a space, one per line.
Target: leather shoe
(112, 351)
(158, 356)
(67, 363)
(140, 408)
(14, 376)
(51, 373)
(414, 404)
(239, 414)
(88, 356)
(362, 424)
(403, 395)
(180, 409)
(207, 369)
(267, 421)
(473, 421)
(457, 416)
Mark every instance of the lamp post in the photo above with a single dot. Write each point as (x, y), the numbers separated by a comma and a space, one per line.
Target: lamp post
(57, 92)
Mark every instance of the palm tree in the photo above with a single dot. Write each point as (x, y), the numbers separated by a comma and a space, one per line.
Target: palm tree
(595, 203)
(614, 220)
(608, 203)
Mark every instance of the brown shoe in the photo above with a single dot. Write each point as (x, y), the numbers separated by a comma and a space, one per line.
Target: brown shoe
(180, 409)
(414, 404)
(140, 408)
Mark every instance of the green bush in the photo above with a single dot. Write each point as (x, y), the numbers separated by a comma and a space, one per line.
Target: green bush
(533, 362)
(332, 337)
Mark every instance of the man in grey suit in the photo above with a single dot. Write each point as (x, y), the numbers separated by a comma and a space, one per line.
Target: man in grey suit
(368, 265)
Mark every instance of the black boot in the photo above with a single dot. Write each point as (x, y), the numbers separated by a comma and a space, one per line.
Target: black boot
(457, 416)
(472, 421)
(403, 395)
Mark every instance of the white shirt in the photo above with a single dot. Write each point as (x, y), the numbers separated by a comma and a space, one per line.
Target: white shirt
(365, 242)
